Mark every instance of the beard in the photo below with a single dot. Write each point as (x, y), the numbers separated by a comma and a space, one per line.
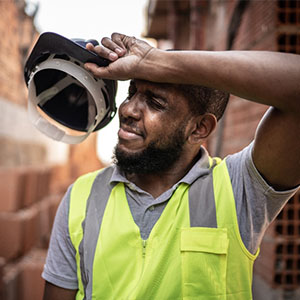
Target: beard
(159, 156)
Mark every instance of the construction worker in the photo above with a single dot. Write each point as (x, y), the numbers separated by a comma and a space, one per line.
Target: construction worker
(167, 221)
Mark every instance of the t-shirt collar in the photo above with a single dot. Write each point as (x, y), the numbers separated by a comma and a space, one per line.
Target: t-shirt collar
(200, 168)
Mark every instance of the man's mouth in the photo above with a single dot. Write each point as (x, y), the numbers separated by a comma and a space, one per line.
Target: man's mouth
(128, 133)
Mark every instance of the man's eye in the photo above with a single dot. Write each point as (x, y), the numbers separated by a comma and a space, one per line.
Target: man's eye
(155, 103)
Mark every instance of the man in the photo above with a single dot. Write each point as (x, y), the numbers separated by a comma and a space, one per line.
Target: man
(169, 222)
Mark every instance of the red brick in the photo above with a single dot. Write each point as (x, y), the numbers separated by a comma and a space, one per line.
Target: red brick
(31, 187)
(11, 234)
(44, 222)
(30, 229)
(18, 232)
(21, 187)
(43, 183)
(12, 189)
(31, 282)
(11, 19)
(22, 279)
(11, 282)
(2, 264)
(54, 203)
(59, 178)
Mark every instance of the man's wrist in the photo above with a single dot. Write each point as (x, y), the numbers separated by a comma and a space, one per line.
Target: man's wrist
(154, 66)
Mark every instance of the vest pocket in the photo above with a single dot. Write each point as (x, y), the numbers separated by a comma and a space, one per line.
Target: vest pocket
(203, 262)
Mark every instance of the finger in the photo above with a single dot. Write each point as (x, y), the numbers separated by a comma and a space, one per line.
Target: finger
(92, 68)
(118, 38)
(100, 72)
(110, 44)
(129, 40)
(90, 47)
(105, 53)
(101, 51)
(124, 41)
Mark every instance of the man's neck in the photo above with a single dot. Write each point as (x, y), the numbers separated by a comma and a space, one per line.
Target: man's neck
(159, 182)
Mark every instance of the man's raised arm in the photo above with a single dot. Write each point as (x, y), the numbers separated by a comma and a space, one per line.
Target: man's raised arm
(269, 78)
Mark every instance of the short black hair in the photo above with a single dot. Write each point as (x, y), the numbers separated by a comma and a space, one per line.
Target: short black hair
(203, 99)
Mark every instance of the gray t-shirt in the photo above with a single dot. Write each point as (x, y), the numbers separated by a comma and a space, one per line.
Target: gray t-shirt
(257, 204)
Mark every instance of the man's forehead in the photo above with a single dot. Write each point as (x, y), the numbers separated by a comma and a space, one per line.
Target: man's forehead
(163, 87)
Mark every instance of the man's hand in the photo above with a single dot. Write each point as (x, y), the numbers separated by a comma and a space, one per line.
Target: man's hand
(125, 54)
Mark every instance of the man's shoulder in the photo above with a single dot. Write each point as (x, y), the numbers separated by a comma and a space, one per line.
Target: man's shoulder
(241, 168)
(100, 173)
(240, 159)
(89, 181)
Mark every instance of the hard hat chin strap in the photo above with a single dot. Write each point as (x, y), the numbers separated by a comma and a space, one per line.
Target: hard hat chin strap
(46, 95)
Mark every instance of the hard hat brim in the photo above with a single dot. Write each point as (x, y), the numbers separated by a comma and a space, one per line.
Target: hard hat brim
(53, 43)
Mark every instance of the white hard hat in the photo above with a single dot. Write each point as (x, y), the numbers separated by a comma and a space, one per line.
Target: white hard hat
(60, 87)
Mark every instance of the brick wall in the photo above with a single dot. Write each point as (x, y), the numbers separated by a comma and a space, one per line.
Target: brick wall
(27, 210)
(12, 22)
(34, 170)
(257, 31)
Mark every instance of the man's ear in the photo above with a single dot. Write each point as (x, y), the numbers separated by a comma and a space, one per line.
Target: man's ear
(202, 127)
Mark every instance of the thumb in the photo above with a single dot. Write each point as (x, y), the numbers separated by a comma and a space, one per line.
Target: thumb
(100, 72)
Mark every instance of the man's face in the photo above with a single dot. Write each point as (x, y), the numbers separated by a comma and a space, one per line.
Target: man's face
(152, 127)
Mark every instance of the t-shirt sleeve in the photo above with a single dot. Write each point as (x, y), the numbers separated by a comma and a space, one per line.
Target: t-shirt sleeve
(257, 203)
(60, 267)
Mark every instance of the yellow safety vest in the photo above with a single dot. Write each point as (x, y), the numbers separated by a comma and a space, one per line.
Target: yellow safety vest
(177, 261)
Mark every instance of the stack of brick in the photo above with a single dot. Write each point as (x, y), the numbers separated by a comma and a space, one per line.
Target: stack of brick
(31, 181)
(26, 218)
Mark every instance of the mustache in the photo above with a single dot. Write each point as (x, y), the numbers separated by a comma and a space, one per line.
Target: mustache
(130, 125)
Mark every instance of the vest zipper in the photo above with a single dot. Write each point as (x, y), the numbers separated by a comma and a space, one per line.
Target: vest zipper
(144, 245)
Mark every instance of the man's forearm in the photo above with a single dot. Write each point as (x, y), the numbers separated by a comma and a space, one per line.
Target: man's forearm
(269, 78)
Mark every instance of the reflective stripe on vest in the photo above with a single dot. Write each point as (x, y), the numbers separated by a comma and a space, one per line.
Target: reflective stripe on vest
(194, 251)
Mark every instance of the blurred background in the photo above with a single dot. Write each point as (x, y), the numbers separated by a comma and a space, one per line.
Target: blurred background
(35, 171)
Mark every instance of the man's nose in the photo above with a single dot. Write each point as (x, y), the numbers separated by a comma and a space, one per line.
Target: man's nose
(131, 108)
